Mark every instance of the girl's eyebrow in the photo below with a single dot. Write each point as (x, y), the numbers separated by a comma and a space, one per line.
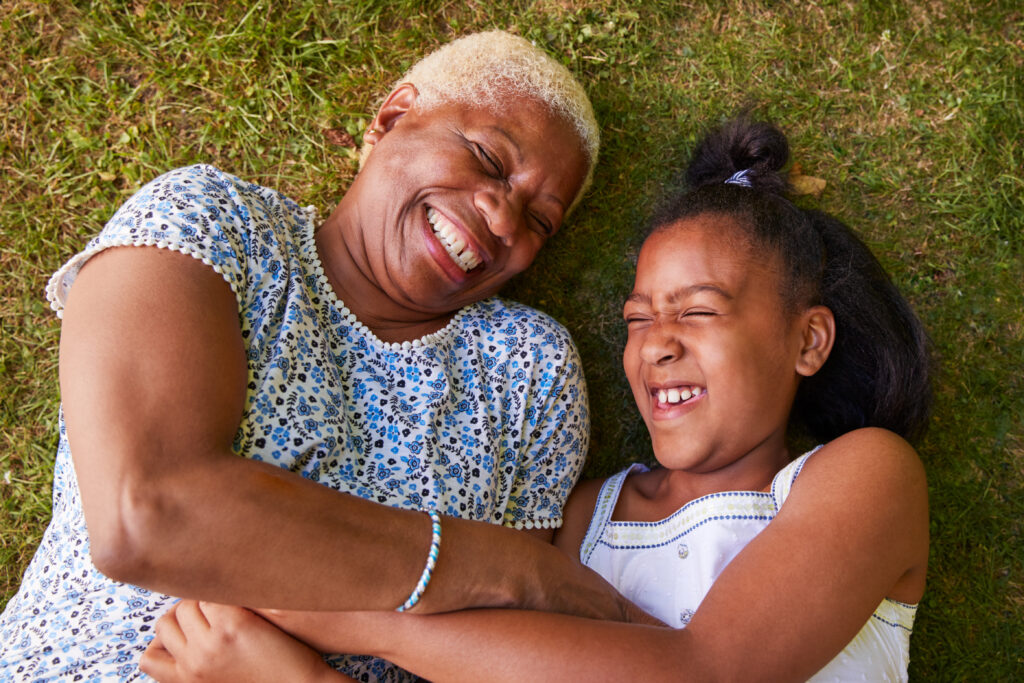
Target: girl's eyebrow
(681, 293)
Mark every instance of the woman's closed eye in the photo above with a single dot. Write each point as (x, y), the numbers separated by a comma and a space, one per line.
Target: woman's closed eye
(493, 166)
(491, 161)
(544, 226)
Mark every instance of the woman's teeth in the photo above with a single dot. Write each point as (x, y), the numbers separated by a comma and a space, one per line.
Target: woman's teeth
(677, 394)
(453, 243)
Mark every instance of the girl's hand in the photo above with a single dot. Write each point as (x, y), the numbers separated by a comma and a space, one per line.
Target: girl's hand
(365, 633)
(204, 641)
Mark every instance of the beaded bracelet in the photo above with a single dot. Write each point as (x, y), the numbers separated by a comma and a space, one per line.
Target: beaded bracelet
(435, 546)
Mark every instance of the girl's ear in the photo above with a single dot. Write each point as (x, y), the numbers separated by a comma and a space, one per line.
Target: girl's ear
(818, 334)
(395, 106)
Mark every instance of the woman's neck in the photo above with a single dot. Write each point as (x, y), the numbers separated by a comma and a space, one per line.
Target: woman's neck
(348, 272)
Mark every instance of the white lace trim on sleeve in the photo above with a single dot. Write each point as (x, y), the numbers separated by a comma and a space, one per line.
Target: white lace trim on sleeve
(60, 283)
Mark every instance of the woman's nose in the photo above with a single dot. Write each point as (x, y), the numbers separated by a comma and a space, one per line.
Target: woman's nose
(503, 212)
(660, 346)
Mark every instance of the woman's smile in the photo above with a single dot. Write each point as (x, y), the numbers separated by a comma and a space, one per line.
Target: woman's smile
(458, 243)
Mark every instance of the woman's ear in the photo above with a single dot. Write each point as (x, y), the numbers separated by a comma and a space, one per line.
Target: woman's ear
(395, 106)
(818, 334)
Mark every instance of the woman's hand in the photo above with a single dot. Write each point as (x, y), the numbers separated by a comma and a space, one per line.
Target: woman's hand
(204, 641)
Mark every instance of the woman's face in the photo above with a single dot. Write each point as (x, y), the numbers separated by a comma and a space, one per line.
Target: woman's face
(455, 200)
(711, 356)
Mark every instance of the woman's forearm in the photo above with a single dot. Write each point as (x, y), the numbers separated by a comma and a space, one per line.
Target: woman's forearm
(202, 529)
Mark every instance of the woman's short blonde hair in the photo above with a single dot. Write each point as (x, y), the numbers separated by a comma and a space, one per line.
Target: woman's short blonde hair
(485, 69)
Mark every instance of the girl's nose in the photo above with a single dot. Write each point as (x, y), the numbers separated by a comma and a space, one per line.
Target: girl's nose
(660, 346)
(503, 212)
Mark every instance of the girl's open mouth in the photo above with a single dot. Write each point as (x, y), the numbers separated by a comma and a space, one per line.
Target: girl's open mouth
(676, 395)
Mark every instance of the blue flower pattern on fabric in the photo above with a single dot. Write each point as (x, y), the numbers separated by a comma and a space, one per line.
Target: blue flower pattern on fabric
(487, 420)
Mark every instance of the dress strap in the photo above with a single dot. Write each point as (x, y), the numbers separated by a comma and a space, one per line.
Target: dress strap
(783, 482)
(603, 509)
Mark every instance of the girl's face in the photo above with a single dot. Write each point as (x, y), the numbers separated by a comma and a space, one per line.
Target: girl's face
(711, 356)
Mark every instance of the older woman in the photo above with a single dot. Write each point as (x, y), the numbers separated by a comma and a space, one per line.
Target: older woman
(213, 319)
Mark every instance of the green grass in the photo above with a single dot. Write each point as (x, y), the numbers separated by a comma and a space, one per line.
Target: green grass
(912, 114)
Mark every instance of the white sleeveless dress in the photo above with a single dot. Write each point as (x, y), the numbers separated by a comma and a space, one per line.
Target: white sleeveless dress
(667, 567)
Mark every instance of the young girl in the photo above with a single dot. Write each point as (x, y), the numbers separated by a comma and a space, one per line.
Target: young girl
(749, 315)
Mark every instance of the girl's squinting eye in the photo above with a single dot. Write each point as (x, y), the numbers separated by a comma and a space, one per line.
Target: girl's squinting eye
(635, 317)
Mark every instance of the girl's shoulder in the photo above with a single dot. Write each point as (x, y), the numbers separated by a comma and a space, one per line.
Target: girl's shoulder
(577, 515)
(864, 467)
(867, 455)
(869, 485)
(594, 501)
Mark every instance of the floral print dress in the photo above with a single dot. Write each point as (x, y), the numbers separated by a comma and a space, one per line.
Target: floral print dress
(485, 419)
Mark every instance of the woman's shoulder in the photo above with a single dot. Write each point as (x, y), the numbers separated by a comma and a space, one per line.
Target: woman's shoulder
(185, 180)
(205, 183)
(502, 312)
(203, 212)
(512, 324)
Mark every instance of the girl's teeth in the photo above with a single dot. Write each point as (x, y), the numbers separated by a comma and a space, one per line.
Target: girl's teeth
(675, 395)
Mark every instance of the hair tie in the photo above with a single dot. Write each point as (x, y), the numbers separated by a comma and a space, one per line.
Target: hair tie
(740, 178)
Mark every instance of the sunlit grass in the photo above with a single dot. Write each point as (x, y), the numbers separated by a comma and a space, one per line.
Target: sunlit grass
(911, 113)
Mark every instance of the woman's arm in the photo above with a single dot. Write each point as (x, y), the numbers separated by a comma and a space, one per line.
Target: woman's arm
(152, 396)
(854, 530)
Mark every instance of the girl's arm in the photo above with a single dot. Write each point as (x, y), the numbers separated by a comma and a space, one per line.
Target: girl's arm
(153, 376)
(853, 531)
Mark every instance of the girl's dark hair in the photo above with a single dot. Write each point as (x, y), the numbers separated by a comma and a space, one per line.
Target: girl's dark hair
(878, 373)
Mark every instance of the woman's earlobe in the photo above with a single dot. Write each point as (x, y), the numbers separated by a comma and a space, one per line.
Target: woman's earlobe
(398, 102)
(819, 333)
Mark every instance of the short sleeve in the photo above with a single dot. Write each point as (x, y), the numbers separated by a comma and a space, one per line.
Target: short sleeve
(557, 434)
(197, 210)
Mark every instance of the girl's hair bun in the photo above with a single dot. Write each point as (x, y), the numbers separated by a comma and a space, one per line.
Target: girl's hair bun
(741, 144)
